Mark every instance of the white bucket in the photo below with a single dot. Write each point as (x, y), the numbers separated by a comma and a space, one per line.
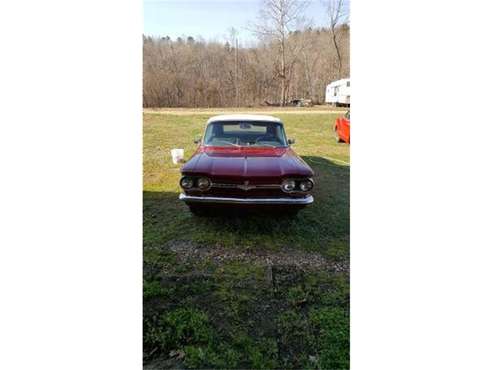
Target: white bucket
(177, 155)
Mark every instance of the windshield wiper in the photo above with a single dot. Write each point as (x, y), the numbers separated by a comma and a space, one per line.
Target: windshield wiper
(226, 142)
(272, 146)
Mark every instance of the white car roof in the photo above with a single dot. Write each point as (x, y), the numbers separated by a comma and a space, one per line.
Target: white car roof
(243, 117)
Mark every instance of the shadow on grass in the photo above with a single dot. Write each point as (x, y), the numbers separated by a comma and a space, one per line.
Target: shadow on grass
(322, 226)
(239, 315)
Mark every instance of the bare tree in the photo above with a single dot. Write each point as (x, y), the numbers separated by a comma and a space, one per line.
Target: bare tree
(277, 18)
(209, 73)
(337, 13)
(233, 32)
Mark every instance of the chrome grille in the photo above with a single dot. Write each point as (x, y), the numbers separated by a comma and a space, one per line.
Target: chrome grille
(245, 186)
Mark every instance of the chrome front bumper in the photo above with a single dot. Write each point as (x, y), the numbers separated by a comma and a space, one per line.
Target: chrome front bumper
(260, 201)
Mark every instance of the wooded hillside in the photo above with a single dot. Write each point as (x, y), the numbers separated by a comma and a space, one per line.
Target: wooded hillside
(196, 73)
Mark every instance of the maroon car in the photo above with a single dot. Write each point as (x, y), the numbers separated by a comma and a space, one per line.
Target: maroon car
(245, 160)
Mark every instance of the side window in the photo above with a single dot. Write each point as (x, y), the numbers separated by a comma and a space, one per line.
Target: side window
(347, 84)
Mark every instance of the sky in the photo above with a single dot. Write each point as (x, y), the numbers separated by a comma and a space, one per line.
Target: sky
(210, 19)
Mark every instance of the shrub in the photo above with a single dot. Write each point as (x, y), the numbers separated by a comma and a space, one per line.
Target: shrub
(152, 289)
(178, 328)
(332, 327)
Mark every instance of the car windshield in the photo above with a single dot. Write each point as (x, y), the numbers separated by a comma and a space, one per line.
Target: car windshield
(250, 133)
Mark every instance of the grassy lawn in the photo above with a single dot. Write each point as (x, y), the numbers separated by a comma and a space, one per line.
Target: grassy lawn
(246, 292)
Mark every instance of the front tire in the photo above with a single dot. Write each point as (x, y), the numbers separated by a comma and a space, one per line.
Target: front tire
(292, 212)
(337, 137)
(289, 212)
(198, 211)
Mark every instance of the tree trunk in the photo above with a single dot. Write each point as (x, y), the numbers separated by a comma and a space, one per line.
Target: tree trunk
(339, 61)
(283, 74)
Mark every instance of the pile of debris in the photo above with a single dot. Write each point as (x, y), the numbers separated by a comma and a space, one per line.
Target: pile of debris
(292, 103)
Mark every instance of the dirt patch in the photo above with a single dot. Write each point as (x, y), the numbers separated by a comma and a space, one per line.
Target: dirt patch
(304, 261)
(255, 308)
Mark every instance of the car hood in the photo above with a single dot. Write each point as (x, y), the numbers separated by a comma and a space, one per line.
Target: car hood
(244, 162)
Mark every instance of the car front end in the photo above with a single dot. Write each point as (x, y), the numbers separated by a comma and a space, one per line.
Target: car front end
(202, 189)
(246, 161)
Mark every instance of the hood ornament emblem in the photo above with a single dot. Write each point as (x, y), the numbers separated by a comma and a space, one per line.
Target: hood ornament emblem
(246, 186)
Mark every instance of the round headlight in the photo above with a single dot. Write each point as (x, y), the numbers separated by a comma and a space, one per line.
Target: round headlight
(288, 185)
(306, 185)
(186, 182)
(204, 183)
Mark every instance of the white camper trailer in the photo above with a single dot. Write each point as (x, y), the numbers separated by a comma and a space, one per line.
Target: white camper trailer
(338, 92)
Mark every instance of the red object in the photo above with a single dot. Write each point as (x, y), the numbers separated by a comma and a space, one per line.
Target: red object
(342, 128)
(244, 163)
(246, 176)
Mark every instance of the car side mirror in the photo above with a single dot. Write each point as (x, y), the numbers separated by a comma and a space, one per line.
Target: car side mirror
(197, 140)
(291, 141)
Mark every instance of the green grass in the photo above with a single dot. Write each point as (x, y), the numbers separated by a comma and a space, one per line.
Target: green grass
(324, 226)
(200, 313)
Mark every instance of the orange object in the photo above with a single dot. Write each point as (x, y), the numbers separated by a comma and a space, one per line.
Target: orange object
(342, 128)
